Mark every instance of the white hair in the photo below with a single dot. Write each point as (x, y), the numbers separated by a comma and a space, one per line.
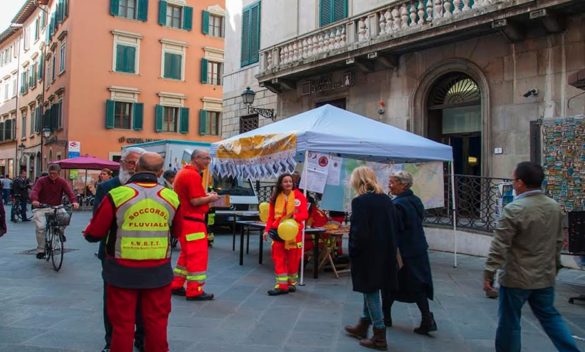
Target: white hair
(131, 150)
(403, 177)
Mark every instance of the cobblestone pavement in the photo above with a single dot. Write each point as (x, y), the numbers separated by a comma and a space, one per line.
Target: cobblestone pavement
(42, 310)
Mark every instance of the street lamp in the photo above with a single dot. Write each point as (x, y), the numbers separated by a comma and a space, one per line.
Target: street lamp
(46, 132)
(21, 147)
(248, 96)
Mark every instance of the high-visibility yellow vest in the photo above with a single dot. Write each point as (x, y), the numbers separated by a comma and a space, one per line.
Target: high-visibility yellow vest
(144, 217)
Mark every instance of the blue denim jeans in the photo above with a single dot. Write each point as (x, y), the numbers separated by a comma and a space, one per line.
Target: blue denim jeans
(541, 302)
(373, 309)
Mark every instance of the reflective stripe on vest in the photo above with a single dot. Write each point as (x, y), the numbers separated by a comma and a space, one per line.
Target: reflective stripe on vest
(211, 219)
(144, 216)
(195, 236)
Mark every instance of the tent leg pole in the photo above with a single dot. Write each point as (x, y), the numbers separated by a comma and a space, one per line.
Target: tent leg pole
(305, 171)
(453, 208)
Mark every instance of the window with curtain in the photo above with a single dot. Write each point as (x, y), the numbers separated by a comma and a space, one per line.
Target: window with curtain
(170, 119)
(123, 115)
(127, 8)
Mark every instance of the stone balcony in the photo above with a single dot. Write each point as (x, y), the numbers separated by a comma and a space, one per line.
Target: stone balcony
(378, 37)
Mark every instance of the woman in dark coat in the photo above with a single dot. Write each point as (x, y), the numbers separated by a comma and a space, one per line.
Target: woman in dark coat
(415, 281)
(372, 251)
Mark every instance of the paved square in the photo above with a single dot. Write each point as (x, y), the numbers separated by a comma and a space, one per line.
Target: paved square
(41, 310)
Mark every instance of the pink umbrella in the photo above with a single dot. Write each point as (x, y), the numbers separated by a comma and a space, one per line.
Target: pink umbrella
(87, 162)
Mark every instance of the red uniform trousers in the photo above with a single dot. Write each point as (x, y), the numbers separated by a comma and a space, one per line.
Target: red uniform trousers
(121, 309)
(286, 263)
(192, 263)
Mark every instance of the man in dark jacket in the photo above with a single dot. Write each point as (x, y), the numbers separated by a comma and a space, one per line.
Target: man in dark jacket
(128, 162)
(20, 188)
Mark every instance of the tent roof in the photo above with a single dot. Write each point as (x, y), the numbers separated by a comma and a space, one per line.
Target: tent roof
(87, 162)
(329, 129)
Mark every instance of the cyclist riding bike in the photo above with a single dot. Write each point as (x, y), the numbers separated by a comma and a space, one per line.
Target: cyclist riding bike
(49, 190)
(20, 188)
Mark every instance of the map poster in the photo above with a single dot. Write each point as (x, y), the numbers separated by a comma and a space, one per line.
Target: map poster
(428, 183)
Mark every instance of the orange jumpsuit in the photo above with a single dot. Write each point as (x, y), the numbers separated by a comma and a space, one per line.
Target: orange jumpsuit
(192, 263)
(287, 260)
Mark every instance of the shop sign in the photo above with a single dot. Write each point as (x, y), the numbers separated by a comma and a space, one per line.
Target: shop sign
(326, 83)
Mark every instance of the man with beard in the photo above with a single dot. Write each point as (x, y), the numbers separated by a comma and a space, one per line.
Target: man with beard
(128, 163)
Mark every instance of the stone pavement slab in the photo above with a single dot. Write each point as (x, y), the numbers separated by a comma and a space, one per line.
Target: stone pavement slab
(42, 310)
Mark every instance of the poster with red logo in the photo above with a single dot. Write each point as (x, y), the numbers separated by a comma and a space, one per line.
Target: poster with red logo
(317, 169)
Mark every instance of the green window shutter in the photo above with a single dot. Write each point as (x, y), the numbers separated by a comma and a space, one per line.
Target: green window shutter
(245, 53)
(61, 11)
(137, 116)
(204, 22)
(187, 18)
(158, 118)
(66, 9)
(125, 58)
(172, 67)
(38, 120)
(58, 13)
(54, 117)
(203, 122)
(203, 70)
(184, 120)
(162, 13)
(339, 10)
(324, 12)
(114, 7)
(255, 34)
(110, 109)
(142, 10)
(41, 64)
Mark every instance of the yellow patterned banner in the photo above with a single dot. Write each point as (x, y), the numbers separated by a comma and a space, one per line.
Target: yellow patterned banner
(256, 156)
(256, 146)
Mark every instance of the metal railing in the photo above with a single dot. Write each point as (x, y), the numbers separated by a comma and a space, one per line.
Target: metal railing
(476, 198)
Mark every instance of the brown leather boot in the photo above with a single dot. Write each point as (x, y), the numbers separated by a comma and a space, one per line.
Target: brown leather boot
(360, 330)
(378, 341)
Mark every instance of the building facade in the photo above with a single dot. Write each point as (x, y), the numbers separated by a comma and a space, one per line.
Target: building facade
(478, 75)
(118, 72)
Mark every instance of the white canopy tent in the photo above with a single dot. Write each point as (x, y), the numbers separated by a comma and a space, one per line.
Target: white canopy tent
(277, 147)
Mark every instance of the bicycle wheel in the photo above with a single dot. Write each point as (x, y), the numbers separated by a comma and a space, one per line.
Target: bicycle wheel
(48, 243)
(58, 249)
(15, 213)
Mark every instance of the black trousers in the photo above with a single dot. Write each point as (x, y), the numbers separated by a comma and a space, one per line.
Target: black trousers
(138, 333)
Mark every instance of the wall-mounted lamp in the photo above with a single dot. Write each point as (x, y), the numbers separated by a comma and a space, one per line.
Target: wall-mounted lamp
(531, 93)
(248, 96)
(46, 132)
(381, 107)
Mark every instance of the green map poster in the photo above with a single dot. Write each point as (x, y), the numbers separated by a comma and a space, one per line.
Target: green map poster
(428, 183)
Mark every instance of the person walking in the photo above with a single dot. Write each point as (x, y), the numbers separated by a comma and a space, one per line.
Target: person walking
(286, 202)
(6, 188)
(49, 190)
(415, 282)
(20, 187)
(372, 249)
(137, 221)
(527, 247)
(128, 162)
(192, 263)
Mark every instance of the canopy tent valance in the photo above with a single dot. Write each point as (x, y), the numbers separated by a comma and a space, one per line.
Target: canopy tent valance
(275, 148)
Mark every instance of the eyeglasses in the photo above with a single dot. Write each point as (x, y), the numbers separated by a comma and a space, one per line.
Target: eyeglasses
(129, 162)
(204, 157)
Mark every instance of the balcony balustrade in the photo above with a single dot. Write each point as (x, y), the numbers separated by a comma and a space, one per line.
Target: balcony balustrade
(395, 20)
